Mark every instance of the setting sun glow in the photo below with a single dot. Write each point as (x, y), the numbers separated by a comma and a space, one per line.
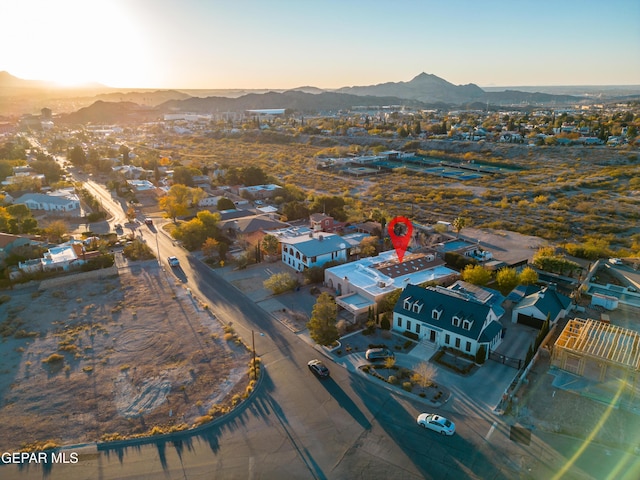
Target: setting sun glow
(73, 42)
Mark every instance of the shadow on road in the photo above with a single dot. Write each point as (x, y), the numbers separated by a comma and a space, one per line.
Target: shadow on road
(345, 402)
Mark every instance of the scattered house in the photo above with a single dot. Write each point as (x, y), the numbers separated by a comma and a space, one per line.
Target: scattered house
(21, 172)
(209, 201)
(202, 181)
(447, 318)
(63, 257)
(133, 172)
(234, 213)
(140, 186)
(600, 352)
(8, 242)
(59, 201)
(321, 223)
(302, 250)
(364, 283)
(250, 229)
(258, 191)
(372, 228)
(534, 308)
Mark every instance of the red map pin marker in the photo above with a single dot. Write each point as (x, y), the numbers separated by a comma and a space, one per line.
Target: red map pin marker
(400, 230)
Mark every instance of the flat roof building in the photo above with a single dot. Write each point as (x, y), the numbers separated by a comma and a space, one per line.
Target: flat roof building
(362, 284)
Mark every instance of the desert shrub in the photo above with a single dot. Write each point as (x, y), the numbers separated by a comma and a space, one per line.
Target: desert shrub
(343, 326)
(408, 386)
(392, 379)
(280, 282)
(53, 358)
(24, 334)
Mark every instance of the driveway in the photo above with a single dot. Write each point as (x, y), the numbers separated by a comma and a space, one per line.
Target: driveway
(481, 390)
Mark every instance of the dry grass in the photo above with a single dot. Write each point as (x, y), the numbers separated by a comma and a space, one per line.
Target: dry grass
(106, 361)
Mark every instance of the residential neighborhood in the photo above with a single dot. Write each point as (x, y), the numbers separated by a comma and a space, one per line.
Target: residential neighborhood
(237, 236)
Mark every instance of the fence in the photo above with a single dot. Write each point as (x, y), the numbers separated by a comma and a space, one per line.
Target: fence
(516, 363)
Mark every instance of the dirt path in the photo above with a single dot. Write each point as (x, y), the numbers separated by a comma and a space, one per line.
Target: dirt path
(136, 352)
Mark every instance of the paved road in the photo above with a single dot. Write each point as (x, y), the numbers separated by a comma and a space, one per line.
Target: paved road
(299, 427)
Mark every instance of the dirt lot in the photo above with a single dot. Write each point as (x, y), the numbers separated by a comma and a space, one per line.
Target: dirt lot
(137, 352)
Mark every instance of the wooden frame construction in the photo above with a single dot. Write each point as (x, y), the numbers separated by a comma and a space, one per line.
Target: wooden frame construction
(598, 351)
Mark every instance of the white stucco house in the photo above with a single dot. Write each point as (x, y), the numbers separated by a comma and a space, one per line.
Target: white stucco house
(362, 284)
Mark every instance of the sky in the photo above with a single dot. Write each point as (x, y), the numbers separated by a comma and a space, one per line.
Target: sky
(280, 44)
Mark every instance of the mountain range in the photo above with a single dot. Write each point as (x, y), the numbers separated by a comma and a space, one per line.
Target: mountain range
(423, 91)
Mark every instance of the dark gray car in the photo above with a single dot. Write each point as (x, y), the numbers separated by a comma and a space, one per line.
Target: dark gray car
(374, 354)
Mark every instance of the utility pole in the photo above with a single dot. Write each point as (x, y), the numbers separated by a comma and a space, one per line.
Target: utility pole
(253, 347)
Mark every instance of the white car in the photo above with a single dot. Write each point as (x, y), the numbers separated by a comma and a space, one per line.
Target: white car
(615, 261)
(173, 261)
(436, 423)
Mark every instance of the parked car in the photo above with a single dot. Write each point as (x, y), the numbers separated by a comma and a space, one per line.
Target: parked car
(615, 261)
(436, 423)
(374, 354)
(148, 221)
(318, 368)
(173, 261)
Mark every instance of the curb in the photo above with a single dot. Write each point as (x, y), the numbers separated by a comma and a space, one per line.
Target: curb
(177, 436)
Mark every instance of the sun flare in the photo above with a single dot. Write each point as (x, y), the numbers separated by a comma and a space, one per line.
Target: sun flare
(85, 41)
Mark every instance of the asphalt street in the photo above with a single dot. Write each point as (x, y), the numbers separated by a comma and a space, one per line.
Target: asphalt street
(298, 427)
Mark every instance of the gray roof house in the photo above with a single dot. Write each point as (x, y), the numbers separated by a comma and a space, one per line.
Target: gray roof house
(534, 308)
(447, 318)
(40, 201)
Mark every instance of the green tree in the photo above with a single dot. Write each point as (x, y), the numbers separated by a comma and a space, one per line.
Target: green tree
(369, 246)
(177, 201)
(184, 175)
(210, 247)
(459, 223)
(124, 151)
(225, 204)
(389, 301)
(528, 276)
(280, 282)
(131, 214)
(507, 279)
(269, 244)
(77, 156)
(476, 274)
(56, 230)
(295, 210)
(322, 325)
(253, 176)
(481, 355)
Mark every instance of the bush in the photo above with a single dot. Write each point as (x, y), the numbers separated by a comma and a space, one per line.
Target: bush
(411, 335)
(408, 386)
(385, 323)
(280, 282)
(53, 358)
(392, 379)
